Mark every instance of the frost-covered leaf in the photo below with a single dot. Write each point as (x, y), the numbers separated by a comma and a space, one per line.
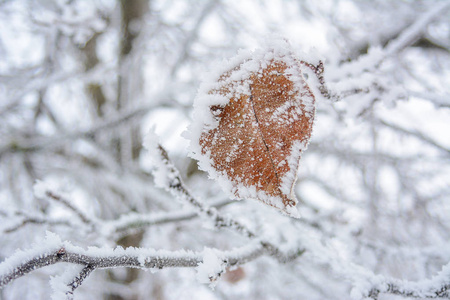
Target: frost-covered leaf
(252, 121)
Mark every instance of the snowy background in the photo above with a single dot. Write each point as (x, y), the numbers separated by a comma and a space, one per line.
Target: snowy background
(83, 82)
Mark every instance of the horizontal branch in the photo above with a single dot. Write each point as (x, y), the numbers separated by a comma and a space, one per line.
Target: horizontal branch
(54, 251)
(436, 287)
(120, 227)
(138, 221)
(395, 289)
(35, 220)
(41, 82)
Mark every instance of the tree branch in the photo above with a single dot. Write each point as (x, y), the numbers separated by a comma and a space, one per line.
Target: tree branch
(406, 291)
(138, 221)
(54, 251)
(372, 60)
(77, 281)
(81, 215)
(416, 30)
(34, 220)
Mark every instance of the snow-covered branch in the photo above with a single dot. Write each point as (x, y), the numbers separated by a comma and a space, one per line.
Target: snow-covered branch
(359, 82)
(366, 283)
(133, 221)
(436, 287)
(54, 251)
(376, 56)
(392, 288)
(417, 29)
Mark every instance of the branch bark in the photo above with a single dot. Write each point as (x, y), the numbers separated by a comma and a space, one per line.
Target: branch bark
(51, 253)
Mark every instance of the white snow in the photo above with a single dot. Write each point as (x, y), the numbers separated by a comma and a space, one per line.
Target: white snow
(211, 268)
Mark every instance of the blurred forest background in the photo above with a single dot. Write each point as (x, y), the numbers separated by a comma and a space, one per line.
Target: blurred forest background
(81, 83)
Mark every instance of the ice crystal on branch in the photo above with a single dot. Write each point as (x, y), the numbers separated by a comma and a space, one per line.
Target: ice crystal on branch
(253, 120)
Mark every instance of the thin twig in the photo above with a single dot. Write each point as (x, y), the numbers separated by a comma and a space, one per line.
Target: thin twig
(34, 220)
(319, 72)
(416, 134)
(138, 221)
(82, 216)
(77, 281)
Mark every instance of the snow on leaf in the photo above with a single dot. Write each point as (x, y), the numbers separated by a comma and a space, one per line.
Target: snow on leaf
(252, 121)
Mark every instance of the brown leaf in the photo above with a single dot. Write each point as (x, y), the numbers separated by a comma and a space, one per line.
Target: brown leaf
(258, 136)
(234, 275)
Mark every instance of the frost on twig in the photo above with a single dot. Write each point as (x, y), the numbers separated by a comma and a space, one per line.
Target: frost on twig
(22, 218)
(135, 221)
(361, 82)
(365, 283)
(53, 250)
(64, 285)
(436, 287)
